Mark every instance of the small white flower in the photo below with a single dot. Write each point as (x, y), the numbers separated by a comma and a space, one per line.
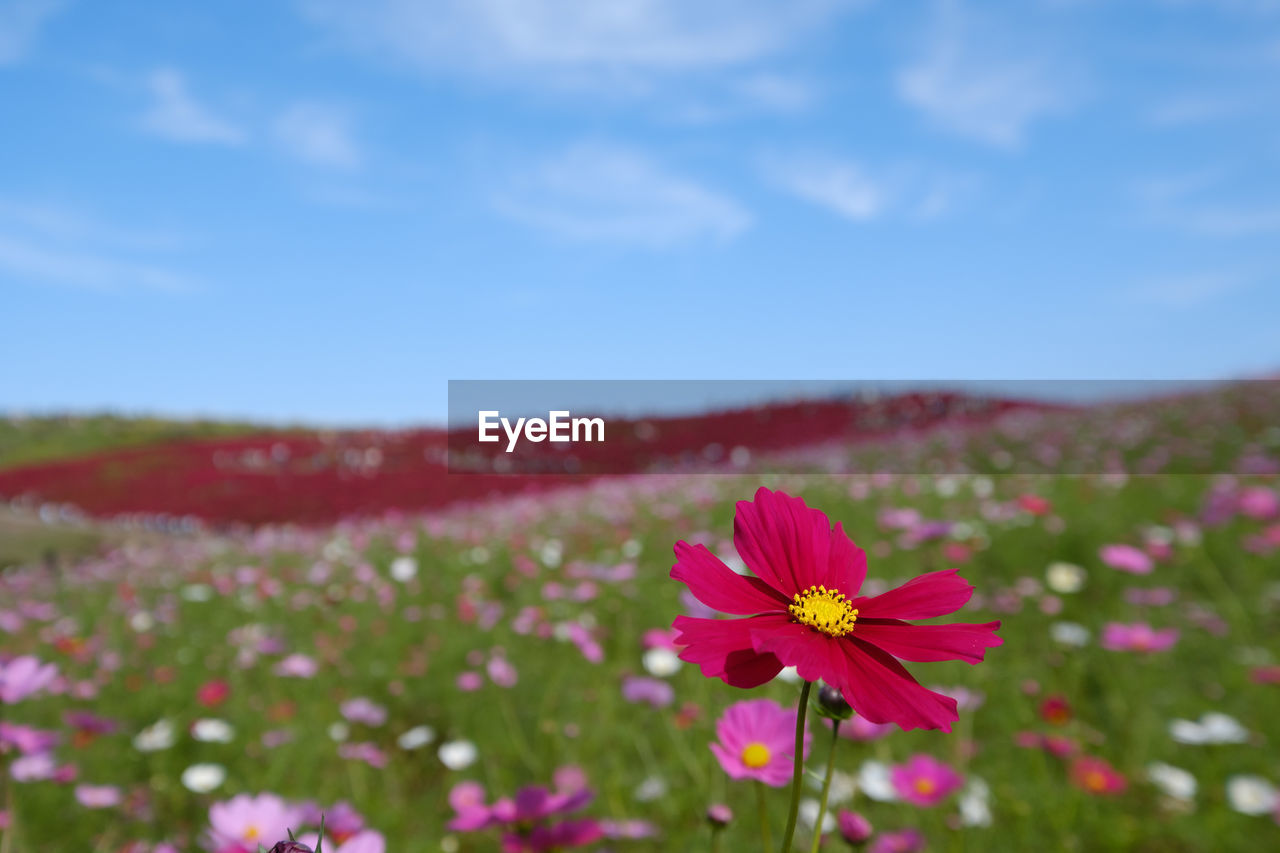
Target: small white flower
(1251, 795)
(417, 737)
(631, 549)
(404, 568)
(159, 735)
(874, 781)
(975, 803)
(1064, 578)
(809, 808)
(1214, 727)
(652, 788)
(197, 592)
(142, 621)
(457, 754)
(843, 786)
(212, 731)
(661, 662)
(1172, 781)
(339, 731)
(203, 778)
(1069, 633)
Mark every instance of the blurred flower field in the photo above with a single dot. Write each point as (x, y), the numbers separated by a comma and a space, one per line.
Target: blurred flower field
(435, 682)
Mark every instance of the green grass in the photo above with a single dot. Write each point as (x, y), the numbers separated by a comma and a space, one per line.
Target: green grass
(45, 438)
(566, 710)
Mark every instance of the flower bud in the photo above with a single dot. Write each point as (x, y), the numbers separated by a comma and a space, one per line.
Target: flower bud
(831, 704)
(854, 828)
(719, 815)
(291, 847)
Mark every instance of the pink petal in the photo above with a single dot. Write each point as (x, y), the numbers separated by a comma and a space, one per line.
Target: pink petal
(792, 547)
(880, 689)
(719, 587)
(961, 641)
(722, 649)
(923, 597)
(812, 653)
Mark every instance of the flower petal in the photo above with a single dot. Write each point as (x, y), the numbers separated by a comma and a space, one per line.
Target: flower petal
(960, 641)
(792, 547)
(880, 689)
(813, 654)
(719, 587)
(722, 649)
(923, 597)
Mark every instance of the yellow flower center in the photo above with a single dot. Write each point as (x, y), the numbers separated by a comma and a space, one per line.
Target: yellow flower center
(1095, 780)
(251, 833)
(925, 787)
(756, 755)
(824, 609)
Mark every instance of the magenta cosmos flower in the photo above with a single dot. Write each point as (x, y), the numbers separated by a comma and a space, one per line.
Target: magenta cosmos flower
(1138, 637)
(924, 781)
(804, 611)
(758, 741)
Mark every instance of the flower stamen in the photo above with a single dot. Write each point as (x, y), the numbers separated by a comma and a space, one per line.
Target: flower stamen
(824, 610)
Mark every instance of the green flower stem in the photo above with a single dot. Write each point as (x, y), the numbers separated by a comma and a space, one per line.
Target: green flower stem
(795, 778)
(826, 786)
(717, 844)
(765, 835)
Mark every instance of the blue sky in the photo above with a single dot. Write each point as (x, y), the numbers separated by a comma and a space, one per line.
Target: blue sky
(323, 210)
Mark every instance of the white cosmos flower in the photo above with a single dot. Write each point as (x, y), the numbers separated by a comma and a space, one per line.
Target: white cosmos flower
(874, 781)
(1214, 727)
(1172, 781)
(210, 730)
(1069, 633)
(417, 737)
(457, 754)
(975, 803)
(197, 592)
(404, 568)
(808, 813)
(1251, 795)
(203, 778)
(1064, 578)
(652, 788)
(843, 786)
(339, 731)
(155, 737)
(661, 662)
(142, 621)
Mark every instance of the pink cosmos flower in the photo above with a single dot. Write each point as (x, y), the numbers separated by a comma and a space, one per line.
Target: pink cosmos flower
(1138, 637)
(1259, 502)
(860, 728)
(240, 824)
(902, 841)
(1097, 776)
(854, 828)
(362, 710)
(757, 741)
(364, 841)
(297, 666)
(1126, 558)
(805, 611)
(98, 796)
(924, 781)
(24, 676)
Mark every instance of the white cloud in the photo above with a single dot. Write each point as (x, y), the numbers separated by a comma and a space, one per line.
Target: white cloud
(862, 194)
(175, 114)
(553, 36)
(981, 83)
(46, 244)
(319, 134)
(1187, 291)
(20, 24)
(1186, 203)
(603, 193)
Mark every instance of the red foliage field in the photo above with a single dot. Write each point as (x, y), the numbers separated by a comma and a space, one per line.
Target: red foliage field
(326, 476)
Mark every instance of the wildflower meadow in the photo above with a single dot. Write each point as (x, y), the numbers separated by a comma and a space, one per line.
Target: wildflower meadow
(977, 650)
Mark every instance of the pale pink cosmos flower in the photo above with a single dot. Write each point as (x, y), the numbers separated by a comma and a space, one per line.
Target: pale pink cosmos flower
(1138, 637)
(365, 841)
(98, 796)
(362, 710)
(924, 780)
(297, 666)
(757, 741)
(243, 822)
(1126, 558)
(24, 676)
